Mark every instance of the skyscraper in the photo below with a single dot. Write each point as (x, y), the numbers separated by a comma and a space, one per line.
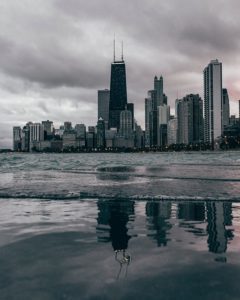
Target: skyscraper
(17, 138)
(163, 116)
(36, 135)
(213, 125)
(126, 124)
(190, 119)
(103, 105)
(118, 93)
(130, 106)
(158, 87)
(225, 109)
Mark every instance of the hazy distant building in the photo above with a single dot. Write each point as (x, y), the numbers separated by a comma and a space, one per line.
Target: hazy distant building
(80, 130)
(67, 126)
(172, 131)
(103, 105)
(26, 137)
(69, 140)
(17, 138)
(91, 137)
(139, 137)
(148, 109)
(48, 128)
(213, 102)
(225, 108)
(110, 136)
(59, 131)
(118, 93)
(190, 119)
(100, 133)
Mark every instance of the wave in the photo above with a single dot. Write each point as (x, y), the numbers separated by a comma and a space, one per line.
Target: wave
(85, 196)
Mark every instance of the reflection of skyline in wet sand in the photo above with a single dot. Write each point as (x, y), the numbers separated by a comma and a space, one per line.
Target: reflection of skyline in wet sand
(113, 218)
(219, 215)
(114, 215)
(158, 214)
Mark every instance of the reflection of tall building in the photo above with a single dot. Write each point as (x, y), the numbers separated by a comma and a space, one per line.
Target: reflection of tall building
(218, 216)
(113, 218)
(158, 214)
(191, 211)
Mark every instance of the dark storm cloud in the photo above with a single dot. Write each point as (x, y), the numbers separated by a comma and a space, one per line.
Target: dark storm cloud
(48, 67)
(55, 54)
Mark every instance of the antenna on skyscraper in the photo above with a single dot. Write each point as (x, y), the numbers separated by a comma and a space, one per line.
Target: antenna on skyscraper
(114, 55)
(122, 50)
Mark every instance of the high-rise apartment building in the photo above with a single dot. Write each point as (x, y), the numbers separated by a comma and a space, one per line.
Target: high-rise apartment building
(103, 105)
(190, 119)
(213, 101)
(36, 135)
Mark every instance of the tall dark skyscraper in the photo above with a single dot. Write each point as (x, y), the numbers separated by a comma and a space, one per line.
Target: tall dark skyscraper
(118, 92)
(225, 108)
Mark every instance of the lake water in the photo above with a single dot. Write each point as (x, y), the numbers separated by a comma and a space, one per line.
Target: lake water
(120, 226)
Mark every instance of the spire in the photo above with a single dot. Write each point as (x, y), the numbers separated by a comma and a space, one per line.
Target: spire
(114, 55)
(122, 50)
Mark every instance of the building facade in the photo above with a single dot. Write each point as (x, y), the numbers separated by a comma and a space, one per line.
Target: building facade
(190, 119)
(103, 105)
(225, 109)
(17, 138)
(213, 101)
(118, 93)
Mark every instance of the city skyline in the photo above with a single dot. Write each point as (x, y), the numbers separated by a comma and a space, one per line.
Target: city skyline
(54, 62)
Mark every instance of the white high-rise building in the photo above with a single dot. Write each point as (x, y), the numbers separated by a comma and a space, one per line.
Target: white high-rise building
(36, 134)
(213, 101)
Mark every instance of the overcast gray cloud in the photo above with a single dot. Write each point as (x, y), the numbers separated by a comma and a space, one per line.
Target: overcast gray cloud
(55, 54)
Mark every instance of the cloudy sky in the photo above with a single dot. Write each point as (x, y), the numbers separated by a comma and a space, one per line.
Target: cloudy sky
(56, 54)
